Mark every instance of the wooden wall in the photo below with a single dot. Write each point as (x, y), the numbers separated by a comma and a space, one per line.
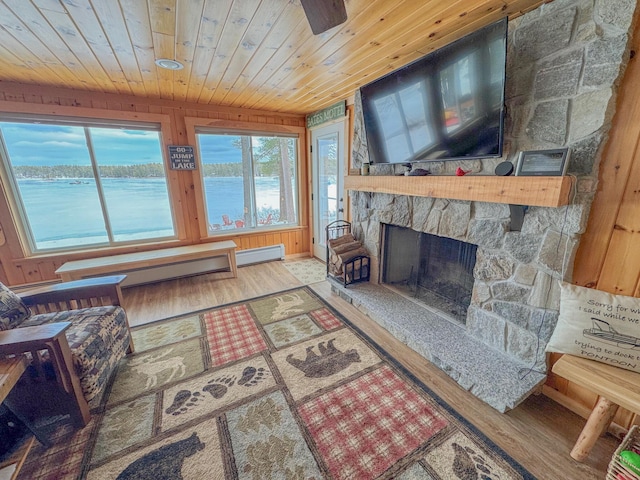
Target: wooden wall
(608, 256)
(18, 268)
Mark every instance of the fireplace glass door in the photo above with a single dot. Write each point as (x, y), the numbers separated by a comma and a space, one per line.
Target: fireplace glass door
(438, 271)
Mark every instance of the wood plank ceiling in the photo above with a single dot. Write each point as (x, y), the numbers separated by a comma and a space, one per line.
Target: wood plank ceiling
(256, 54)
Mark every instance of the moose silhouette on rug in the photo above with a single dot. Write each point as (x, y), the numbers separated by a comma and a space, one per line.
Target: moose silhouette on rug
(164, 462)
(329, 362)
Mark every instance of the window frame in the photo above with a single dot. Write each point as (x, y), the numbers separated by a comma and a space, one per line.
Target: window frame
(198, 125)
(87, 117)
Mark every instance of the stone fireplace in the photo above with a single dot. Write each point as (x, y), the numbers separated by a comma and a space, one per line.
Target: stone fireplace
(564, 64)
(437, 271)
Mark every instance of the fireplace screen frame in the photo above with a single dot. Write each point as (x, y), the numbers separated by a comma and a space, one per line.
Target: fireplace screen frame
(450, 293)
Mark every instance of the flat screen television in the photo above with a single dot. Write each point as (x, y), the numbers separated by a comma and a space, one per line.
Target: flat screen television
(447, 105)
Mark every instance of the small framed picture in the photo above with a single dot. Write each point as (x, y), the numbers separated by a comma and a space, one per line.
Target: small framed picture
(551, 163)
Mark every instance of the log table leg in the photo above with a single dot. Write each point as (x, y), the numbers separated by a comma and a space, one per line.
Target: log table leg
(598, 421)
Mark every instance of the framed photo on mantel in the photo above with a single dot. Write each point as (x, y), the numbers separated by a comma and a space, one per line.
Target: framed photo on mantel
(552, 163)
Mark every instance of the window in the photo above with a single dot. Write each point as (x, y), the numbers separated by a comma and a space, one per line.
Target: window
(249, 181)
(80, 185)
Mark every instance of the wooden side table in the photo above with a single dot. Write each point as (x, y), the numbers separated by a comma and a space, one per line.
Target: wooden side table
(10, 372)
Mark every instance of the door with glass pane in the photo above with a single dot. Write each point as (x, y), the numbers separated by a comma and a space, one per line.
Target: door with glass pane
(328, 162)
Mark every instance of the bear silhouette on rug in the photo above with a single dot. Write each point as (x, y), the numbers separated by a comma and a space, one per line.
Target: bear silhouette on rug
(329, 362)
(164, 462)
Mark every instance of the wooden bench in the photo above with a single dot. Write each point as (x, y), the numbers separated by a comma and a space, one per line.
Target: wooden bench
(78, 269)
(615, 387)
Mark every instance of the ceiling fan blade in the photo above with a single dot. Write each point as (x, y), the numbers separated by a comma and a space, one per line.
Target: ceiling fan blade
(324, 14)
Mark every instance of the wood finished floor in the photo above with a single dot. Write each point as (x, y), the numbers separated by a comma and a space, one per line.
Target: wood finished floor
(539, 433)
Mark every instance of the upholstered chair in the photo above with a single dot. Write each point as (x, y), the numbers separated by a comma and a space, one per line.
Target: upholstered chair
(74, 334)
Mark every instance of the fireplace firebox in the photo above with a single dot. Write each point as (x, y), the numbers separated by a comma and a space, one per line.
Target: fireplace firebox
(437, 271)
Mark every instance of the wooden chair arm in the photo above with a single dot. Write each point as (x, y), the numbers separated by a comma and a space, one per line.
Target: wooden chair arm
(26, 339)
(90, 292)
(50, 337)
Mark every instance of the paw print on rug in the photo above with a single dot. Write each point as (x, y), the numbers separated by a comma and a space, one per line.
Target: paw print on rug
(470, 464)
(183, 400)
(219, 387)
(252, 376)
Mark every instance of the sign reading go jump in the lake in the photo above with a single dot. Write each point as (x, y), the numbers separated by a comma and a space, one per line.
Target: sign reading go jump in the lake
(181, 157)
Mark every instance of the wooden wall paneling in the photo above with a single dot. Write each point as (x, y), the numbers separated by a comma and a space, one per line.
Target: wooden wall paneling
(155, 104)
(91, 30)
(141, 108)
(316, 50)
(139, 31)
(165, 46)
(379, 31)
(406, 44)
(236, 25)
(272, 43)
(261, 84)
(207, 40)
(30, 272)
(162, 17)
(11, 248)
(187, 22)
(181, 182)
(403, 39)
(47, 269)
(17, 72)
(117, 39)
(617, 159)
(621, 269)
(270, 239)
(3, 276)
(262, 23)
(191, 123)
(245, 242)
(60, 20)
(21, 41)
(29, 14)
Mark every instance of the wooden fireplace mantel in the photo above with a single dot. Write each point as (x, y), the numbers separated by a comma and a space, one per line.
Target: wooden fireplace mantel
(532, 191)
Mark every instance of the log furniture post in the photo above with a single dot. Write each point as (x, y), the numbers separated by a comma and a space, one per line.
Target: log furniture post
(615, 387)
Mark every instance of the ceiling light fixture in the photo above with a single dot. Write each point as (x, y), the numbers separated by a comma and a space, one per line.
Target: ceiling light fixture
(169, 64)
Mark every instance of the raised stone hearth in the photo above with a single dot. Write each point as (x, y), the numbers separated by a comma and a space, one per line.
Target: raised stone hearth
(493, 376)
(564, 64)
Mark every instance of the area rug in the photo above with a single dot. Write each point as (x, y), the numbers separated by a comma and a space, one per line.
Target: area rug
(280, 386)
(308, 271)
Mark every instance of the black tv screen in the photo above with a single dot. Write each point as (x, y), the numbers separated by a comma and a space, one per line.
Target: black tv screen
(447, 105)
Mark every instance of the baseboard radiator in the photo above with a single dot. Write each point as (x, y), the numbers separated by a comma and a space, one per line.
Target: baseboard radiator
(207, 265)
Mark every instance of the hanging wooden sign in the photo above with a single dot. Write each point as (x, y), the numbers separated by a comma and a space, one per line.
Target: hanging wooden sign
(325, 115)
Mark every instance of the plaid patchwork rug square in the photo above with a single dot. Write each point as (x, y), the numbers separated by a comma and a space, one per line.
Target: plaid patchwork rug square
(280, 386)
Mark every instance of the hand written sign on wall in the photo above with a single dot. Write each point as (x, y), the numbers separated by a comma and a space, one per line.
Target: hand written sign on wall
(181, 157)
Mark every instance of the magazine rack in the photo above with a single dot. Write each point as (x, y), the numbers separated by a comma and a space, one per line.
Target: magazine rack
(355, 267)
